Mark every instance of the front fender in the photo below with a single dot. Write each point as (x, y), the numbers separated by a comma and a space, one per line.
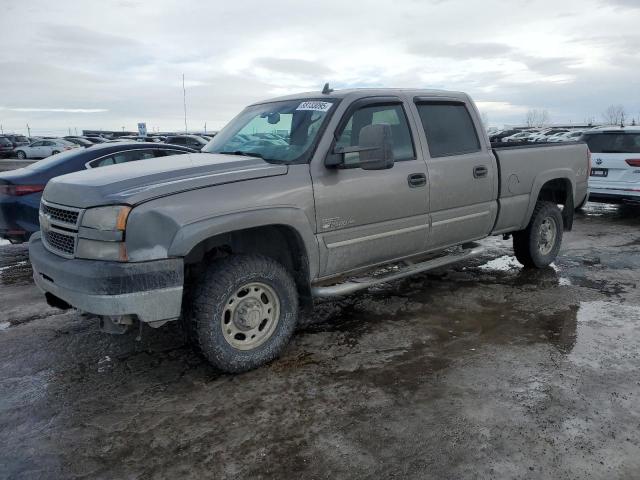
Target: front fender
(187, 237)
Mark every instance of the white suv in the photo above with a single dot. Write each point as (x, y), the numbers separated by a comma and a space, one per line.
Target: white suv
(615, 160)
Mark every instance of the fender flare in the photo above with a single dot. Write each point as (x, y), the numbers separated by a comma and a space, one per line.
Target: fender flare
(539, 182)
(188, 236)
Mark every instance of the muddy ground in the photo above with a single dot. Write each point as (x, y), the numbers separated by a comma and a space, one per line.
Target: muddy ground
(480, 371)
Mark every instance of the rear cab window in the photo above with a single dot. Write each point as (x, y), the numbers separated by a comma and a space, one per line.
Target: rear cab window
(448, 127)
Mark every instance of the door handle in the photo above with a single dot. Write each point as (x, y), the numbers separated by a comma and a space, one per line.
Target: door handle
(417, 180)
(480, 171)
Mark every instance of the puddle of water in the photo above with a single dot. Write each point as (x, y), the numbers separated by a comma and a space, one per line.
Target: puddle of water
(603, 326)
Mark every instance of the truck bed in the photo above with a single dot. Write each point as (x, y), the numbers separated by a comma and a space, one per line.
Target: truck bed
(525, 168)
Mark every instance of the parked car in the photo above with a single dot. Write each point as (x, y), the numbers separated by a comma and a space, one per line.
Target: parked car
(17, 140)
(44, 148)
(6, 147)
(615, 172)
(517, 137)
(95, 140)
(544, 135)
(242, 237)
(570, 135)
(21, 190)
(499, 136)
(192, 141)
(79, 141)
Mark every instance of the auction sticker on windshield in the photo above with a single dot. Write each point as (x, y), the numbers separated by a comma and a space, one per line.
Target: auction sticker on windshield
(316, 106)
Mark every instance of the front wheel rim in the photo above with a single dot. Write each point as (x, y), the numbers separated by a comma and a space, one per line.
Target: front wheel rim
(250, 316)
(547, 235)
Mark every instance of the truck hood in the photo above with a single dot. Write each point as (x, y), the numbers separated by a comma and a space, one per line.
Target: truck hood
(136, 182)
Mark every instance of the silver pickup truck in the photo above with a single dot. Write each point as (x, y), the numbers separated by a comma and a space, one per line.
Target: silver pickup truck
(309, 195)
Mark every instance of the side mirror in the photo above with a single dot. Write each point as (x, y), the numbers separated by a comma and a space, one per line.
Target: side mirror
(376, 139)
(375, 149)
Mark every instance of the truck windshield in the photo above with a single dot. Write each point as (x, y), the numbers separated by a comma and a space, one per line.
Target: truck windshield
(613, 142)
(278, 132)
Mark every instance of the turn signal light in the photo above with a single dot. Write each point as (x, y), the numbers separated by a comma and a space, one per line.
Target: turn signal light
(19, 190)
(634, 162)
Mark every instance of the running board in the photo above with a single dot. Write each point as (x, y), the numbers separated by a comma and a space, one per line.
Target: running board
(355, 284)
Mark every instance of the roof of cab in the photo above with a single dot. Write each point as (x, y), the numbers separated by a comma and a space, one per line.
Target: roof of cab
(368, 92)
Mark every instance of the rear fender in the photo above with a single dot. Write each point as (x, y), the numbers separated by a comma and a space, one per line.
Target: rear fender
(547, 176)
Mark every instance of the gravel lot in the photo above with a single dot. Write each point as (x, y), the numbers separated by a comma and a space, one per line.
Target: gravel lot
(482, 371)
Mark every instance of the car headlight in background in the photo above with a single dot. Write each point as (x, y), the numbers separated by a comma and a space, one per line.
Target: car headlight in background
(101, 233)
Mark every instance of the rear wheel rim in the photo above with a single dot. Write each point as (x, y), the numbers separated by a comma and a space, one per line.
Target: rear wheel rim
(547, 234)
(250, 316)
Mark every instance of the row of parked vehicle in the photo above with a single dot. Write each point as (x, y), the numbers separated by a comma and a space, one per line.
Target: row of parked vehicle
(25, 148)
(535, 135)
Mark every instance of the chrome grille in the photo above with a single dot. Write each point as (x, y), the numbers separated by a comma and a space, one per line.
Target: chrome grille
(60, 214)
(59, 226)
(62, 242)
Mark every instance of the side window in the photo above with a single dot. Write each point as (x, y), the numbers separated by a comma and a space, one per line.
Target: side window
(373, 115)
(122, 157)
(449, 128)
(37, 144)
(49, 144)
(166, 153)
(178, 141)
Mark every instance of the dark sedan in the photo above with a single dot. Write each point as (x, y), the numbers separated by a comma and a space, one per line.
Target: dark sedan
(21, 190)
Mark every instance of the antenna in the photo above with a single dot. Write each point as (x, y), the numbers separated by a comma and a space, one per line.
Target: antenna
(326, 90)
(184, 100)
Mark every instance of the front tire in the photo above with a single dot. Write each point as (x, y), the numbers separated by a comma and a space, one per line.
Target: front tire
(244, 311)
(21, 155)
(538, 244)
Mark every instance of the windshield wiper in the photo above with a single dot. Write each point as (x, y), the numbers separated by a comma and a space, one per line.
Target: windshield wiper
(249, 154)
(244, 154)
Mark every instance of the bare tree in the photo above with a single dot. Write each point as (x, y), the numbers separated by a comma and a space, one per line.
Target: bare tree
(537, 118)
(613, 115)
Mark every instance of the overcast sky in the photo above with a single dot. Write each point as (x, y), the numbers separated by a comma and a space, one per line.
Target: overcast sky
(108, 64)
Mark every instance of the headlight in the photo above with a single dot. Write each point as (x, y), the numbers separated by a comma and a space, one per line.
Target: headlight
(106, 218)
(99, 250)
(101, 234)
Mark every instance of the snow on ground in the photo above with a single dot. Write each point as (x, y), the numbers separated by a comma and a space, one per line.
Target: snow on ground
(4, 242)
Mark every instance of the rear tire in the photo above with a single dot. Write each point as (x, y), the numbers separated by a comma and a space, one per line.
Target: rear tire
(244, 311)
(55, 152)
(538, 244)
(21, 155)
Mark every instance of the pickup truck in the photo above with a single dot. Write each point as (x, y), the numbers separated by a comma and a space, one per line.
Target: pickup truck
(310, 195)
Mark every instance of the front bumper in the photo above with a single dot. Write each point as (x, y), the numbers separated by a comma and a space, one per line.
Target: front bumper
(152, 291)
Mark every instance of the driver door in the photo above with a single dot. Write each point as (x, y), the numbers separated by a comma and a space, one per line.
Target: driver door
(366, 217)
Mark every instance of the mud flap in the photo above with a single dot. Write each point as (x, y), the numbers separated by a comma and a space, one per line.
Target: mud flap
(567, 214)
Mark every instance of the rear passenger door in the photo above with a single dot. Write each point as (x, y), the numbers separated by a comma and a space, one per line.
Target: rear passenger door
(462, 172)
